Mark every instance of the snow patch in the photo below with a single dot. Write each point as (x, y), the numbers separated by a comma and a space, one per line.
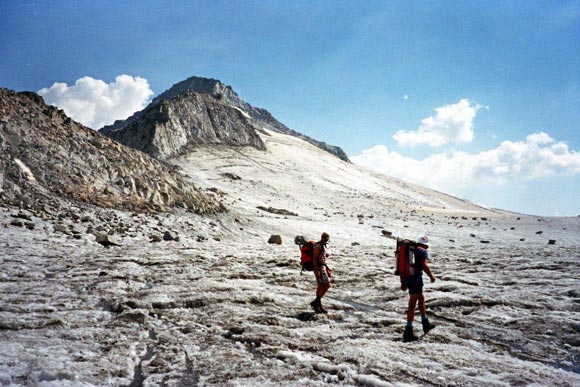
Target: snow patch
(25, 170)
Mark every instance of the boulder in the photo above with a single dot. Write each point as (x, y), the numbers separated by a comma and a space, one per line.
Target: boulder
(17, 223)
(61, 228)
(170, 236)
(107, 240)
(275, 239)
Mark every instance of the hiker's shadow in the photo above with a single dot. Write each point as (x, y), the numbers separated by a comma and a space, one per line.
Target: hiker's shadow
(306, 316)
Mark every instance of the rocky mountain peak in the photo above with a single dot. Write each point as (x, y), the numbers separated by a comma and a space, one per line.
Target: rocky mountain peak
(210, 86)
(171, 126)
(198, 125)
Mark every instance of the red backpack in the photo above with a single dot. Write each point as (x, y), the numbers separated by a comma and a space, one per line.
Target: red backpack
(306, 252)
(403, 255)
(306, 255)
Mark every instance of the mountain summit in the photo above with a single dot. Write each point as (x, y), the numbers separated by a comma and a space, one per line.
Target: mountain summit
(200, 111)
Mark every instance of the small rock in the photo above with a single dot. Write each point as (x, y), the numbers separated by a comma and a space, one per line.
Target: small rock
(232, 176)
(17, 223)
(277, 211)
(275, 239)
(22, 215)
(107, 240)
(539, 232)
(387, 233)
(155, 238)
(355, 244)
(237, 330)
(133, 316)
(552, 242)
(61, 228)
(170, 236)
(484, 241)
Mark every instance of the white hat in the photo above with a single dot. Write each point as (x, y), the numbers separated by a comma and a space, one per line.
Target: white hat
(424, 240)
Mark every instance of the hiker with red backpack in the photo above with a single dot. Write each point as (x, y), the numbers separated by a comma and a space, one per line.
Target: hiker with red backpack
(321, 272)
(412, 261)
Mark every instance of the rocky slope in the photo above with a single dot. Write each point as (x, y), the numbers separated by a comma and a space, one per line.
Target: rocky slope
(45, 156)
(203, 111)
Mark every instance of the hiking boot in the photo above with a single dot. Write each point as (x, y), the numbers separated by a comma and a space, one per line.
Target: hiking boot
(316, 306)
(321, 309)
(427, 326)
(409, 335)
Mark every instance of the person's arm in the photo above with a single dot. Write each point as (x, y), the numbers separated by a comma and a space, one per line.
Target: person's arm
(315, 254)
(427, 270)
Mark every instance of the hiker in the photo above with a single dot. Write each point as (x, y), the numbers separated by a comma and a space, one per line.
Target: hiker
(321, 271)
(414, 283)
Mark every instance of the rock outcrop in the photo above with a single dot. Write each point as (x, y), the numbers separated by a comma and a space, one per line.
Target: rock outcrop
(169, 127)
(46, 156)
(200, 111)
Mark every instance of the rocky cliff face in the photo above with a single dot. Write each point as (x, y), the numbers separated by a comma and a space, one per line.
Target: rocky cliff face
(237, 121)
(45, 155)
(169, 126)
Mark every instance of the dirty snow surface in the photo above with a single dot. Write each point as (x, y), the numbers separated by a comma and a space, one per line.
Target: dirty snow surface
(222, 307)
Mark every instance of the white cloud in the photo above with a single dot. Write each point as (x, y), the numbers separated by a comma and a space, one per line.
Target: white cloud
(451, 123)
(538, 156)
(94, 103)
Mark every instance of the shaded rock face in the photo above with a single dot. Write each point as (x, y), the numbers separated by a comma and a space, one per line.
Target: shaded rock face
(45, 155)
(229, 130)
(169, 127)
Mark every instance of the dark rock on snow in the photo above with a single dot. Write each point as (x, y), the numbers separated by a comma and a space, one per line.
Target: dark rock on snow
(275, 239)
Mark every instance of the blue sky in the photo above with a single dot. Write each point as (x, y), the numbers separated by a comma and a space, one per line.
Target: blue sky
(480, 99)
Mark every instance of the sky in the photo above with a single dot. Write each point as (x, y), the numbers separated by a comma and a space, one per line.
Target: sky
(479, 99)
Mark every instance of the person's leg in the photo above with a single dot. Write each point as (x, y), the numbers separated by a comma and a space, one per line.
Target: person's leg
(409, 335)
(411, 309)
(421, 299)
(323, 288)
(322, 285)
(427, 326)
